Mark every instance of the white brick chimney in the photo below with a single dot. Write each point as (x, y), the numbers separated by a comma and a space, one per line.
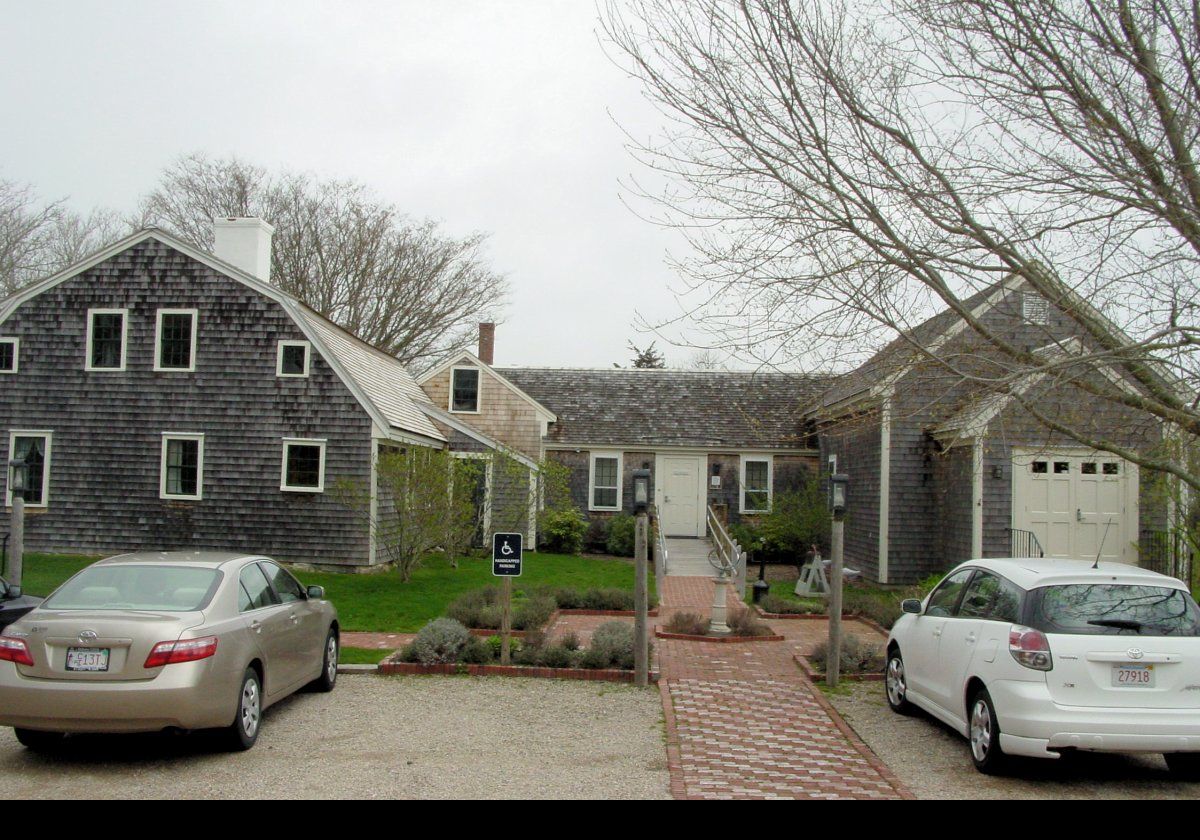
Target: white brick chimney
(244, 243)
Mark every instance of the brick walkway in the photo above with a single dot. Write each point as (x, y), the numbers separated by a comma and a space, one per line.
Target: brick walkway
(744, 722)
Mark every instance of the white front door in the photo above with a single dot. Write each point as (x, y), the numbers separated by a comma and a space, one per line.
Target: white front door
(1081, 504)
(681, 494)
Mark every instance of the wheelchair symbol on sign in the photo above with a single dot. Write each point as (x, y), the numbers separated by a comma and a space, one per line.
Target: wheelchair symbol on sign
(506, 549)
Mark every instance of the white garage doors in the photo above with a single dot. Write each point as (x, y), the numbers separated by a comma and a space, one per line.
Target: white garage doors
(1078, 502)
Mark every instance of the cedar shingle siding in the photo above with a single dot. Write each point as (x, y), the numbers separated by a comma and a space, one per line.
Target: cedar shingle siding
(104, 472)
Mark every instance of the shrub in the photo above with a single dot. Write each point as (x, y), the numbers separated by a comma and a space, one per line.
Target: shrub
(607, 599)
(858, 657)
(788, 606)
(495, 643)
(570, 641)
(746, 623)
(440, 641)
(595, 660)
(621, 535)
(567, 599)
(596, 538)
(687, 623)
(556, 656)
(563, 530)
(477, 651)
(797, 520)
(612, 645)
(533, 613)
(478, 608)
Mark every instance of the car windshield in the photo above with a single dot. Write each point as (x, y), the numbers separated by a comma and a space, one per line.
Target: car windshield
(134, 587)
(1112, 609)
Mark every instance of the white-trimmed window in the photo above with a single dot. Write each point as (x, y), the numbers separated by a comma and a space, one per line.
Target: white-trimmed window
(756, 484)
(182, 470)
(106, 339)
(464, 390)
(10, 355)
(303, 465)
(292, 361)
(604, 481)
(175, 340)
(34, 449)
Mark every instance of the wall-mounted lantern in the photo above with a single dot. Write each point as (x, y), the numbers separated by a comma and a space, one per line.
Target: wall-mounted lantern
(641, 490)
(18, 477)
(838, 487)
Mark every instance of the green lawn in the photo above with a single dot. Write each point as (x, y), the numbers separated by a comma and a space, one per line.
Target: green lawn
(382, 603)
(361, 656)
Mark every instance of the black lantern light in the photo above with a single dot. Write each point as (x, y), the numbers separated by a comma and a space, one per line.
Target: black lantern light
(838, 486)
(641, 490)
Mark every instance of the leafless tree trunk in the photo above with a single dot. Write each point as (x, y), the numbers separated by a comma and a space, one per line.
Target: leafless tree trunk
(846, 169)
(402, 285)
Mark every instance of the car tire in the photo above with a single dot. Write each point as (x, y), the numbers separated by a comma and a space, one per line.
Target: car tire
(329, 664)
(983, 731)
(247, 721)
(34, 739)
(1184, 765)
(895, 684)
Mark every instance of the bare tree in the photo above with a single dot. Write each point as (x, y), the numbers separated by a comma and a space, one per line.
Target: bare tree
(402, 285)
(844, 170)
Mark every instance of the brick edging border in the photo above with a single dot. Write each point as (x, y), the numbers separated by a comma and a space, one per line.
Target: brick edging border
(390, 668)
(859, 744)
(816, 676)
(688, 637)
(677, 786)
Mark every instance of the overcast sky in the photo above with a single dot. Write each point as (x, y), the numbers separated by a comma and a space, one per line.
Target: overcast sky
(493, 116)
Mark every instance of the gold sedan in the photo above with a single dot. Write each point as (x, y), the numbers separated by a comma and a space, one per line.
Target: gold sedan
(166, 640)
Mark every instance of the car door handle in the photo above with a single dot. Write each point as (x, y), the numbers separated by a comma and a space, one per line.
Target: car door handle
(294, 619)
(256, 627)
(970, 638)
(937, 632)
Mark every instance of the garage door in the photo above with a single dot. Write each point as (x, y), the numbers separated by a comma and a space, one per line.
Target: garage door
(1079, 503)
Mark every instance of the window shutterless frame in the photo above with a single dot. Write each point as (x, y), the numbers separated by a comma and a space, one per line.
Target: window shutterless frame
(43, 451)
(168, 324)
(467, 373)
(106, 352)
(292, 468)
(10, 348)
(169, 489)
(286, 357)
(610, 483)
(765, 490)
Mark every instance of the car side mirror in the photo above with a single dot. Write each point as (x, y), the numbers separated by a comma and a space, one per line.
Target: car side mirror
(911, 605)
(316, 593)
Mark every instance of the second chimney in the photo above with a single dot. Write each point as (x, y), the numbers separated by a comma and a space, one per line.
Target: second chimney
(244, 243)
(487, 342)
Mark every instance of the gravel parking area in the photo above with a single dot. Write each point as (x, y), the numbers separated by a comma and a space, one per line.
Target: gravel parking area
(935, 762)
(377, 737)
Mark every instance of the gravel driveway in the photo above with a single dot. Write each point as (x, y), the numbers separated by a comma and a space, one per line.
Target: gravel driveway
(935, 762)
(429, 737)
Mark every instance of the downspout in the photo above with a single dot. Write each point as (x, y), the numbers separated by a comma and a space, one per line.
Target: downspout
(977, 498)
(885, 483)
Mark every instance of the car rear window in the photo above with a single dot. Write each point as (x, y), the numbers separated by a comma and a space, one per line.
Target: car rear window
(1114, 609)
(157, 588)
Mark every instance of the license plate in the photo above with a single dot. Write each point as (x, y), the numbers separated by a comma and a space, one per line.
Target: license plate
(1133, 676)
(87, 659)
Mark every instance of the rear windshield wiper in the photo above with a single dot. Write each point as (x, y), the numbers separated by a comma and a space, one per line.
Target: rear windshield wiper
(1119, 623)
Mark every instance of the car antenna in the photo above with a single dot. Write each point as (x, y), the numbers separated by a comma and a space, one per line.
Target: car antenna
(1100, 550)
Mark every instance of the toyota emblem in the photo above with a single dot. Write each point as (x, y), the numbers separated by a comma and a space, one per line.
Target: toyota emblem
(91, 636)
(1135, 653)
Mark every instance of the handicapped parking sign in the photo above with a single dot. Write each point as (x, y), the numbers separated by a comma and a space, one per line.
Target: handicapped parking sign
(506, 555)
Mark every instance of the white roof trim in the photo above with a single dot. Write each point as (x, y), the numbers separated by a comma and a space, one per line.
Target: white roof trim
(491, 443)
(546, 414)
(681, 449)
(289, 304)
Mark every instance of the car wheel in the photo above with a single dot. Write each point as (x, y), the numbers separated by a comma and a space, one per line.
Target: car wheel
(984, 733)
(34, 739)
(329, 665)
(1184, 765)
(242, 734)
(896, 684)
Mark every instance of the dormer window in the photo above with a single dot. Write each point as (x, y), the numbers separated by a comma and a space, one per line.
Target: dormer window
(464, 390)
(9, 351)
(293, 359)
(106, 339)
(175, 340)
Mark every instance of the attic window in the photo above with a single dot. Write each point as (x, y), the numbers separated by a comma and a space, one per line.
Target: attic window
(1035, 309)
(464, 390)
(8, 354)
(176, 340)
(292, 359)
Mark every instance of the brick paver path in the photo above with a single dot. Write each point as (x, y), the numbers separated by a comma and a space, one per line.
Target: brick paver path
(744, 722)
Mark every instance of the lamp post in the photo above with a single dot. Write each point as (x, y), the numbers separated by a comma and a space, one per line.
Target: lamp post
(18, 480)
(641, 550)
(838, 487)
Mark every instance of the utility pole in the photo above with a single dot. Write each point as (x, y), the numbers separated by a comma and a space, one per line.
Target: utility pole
(18, 473)
(838, 485)
(641, 550)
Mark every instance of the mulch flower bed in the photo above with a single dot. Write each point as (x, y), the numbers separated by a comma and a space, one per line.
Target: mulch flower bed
(862, 619)
(819, 676)
(392, 665)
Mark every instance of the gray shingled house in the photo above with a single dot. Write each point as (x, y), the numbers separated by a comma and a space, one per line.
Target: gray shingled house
(167, 398)
(943, 470)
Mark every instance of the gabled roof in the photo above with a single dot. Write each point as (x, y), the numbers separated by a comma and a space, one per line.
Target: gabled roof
(380, 383)
(628, 407)
(473, 360)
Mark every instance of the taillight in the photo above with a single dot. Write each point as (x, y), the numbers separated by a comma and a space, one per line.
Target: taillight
(1030, 647)
(186, 650)
(14, 650)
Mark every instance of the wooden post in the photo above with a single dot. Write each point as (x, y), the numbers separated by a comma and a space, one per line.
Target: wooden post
(17, 539)
(505, 621)
(641, 547)
(833, 660)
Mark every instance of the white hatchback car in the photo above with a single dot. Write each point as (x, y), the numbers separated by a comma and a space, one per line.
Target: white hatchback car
(1034, 657)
